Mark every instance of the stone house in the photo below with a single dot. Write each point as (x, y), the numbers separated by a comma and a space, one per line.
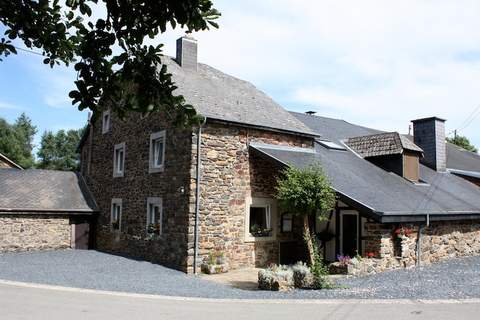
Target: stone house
(44, 210)
(173, 196)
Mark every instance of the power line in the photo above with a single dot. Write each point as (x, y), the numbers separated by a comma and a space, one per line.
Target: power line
(29, 51)
(474, 114)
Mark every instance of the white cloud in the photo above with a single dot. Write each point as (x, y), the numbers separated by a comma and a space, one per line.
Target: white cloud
(7, 105)
(379, 63)
(376, 62)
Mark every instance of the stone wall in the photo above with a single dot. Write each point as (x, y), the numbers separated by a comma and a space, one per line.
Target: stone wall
(27, 232)
(231, 173)
(439, 241)
(172, 185)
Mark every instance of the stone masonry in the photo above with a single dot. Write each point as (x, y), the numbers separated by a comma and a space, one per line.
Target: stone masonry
(439, 241)
(28, 232)
(137, 184)
(231, 173)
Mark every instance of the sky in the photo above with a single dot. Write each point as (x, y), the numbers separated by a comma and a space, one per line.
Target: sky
(376, 63)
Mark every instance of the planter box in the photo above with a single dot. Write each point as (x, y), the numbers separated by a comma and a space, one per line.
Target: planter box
(214, 268)
(337, 268)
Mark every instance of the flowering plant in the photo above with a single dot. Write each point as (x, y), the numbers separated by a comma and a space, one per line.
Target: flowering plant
(370, 254)
(402, 231)
(343, 259)
(153, 228)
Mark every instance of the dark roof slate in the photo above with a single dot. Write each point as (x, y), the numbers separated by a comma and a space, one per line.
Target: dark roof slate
(384, 193)
(381, 144)
(43, 191)
(333, 129)
(461, 159)
(380, 191)
(220, 96)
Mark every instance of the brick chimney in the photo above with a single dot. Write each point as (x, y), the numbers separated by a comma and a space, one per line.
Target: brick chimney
(187, 52)
(429, 134)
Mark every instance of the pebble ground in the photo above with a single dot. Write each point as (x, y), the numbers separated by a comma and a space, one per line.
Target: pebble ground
(453, 279)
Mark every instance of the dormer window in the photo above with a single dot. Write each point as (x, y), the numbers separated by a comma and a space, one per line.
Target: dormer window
(157, 152)
(390, 151)
(106, 121)
(119, 160)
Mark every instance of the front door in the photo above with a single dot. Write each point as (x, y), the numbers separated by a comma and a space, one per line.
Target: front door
(349, 230)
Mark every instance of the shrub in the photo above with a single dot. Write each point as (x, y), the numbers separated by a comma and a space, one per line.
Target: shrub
(275, 278)
(302, 277)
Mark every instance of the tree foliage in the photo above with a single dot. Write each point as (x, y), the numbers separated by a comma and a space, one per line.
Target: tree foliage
(115, 67)
(462, 142)
(16, 141)
(58, 150)
(306, 192)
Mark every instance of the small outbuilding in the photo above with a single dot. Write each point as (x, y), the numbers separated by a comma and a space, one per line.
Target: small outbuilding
(44, 210)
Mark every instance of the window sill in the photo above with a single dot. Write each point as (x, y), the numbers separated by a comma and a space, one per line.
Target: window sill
(118, 175)
(251, 238)
(155, 169)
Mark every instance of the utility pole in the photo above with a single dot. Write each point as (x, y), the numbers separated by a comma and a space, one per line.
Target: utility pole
(455, 135)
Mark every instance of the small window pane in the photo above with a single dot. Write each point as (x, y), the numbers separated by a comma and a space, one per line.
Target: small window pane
(260, 221)
(287, 222)
(158, 152)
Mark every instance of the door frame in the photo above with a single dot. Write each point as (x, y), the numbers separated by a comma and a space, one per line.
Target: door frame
(342, 213)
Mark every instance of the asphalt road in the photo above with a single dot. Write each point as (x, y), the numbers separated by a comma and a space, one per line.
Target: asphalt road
(18, 302)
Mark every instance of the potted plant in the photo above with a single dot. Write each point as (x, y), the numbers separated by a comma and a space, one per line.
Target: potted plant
(341, 266)
(257, 231)
(153, 229)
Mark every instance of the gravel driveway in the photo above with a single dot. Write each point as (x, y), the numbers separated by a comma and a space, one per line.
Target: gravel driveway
(457, 278)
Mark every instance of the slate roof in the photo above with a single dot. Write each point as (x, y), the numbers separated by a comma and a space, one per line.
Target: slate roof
(382, 195)
(381, 144)
(220, 96)
(461, 159)
(44, 191)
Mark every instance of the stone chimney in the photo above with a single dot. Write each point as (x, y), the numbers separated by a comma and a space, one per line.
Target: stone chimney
(429, 134)
(187, 52)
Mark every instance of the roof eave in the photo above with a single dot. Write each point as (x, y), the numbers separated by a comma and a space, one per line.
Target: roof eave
(17, 211)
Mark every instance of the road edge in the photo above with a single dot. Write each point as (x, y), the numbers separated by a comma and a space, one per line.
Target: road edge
(216, 300)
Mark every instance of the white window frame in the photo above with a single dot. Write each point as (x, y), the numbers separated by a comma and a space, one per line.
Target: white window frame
(155, 201)
(116, 172)
(152, 166)
(116, 202)
(271, 206)
(106, 124)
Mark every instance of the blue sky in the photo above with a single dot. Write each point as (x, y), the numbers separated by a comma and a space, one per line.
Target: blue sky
(376, 63)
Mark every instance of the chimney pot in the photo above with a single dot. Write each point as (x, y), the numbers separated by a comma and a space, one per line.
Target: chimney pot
(187, 52)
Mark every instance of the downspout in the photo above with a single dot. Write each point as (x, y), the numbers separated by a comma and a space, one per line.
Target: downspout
(197, 196)
(419, 238)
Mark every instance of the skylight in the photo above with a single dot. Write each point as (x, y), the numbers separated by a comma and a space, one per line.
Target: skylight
(331, 145)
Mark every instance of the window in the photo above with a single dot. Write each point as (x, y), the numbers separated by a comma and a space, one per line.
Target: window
(331, 145)
(119, 160)
(287, 222)
(106, 121)
(154, 216)
(116, 215)
(260, 219)
(157, 152)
